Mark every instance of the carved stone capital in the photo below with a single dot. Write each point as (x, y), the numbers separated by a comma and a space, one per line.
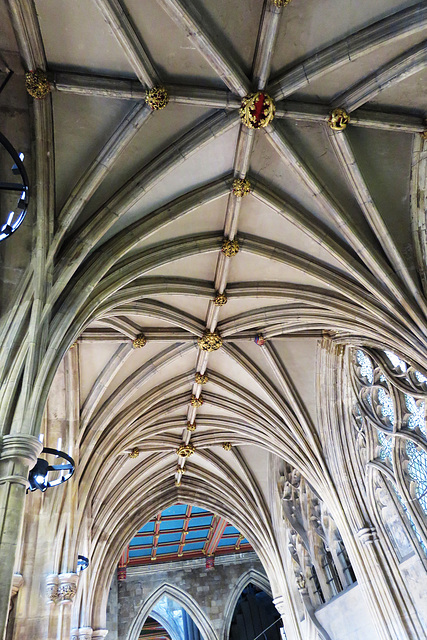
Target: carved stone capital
(367, 535)
(67, 587)
(85, 633)
(99, 634)
(52, 582)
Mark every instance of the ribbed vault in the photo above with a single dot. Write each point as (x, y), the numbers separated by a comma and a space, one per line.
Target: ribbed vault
(134, 208)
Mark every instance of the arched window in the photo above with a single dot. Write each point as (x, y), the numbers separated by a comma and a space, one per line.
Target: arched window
(390, 420)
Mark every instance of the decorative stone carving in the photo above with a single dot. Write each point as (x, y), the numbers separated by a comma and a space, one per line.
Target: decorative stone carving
(257, 110)
(140, 341)
(99, 634)
(338, 120)
(185, 450)
(281, 3)
(134, 453)
(230, 248)
(157, 98)
(196, 401)
(52, 588)
(191, 426)
(220, 299)
(367, 535)
(241, 187)
(67, 588)
(210, 341)
(201, 378)
(85, 633)
(37, 84)
(260, 340)
(227, 446)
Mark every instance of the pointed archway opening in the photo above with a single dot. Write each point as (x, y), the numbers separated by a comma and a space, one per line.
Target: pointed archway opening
(185, 569)
(255, 616)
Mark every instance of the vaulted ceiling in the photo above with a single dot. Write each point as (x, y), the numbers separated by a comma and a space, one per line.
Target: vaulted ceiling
(329, 237)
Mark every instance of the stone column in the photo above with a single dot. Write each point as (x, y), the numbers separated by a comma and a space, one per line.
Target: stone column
(18, 453)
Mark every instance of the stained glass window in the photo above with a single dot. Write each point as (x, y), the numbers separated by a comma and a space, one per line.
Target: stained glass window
(396, 361)
(387, 406)
(382, 403)
(366, 368)
(417, 411)
(386, 444)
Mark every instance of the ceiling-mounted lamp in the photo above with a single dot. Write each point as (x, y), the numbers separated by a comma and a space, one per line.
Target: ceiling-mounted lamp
(38, 477)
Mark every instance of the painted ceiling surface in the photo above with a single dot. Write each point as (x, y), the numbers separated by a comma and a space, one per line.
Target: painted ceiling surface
(182, 532)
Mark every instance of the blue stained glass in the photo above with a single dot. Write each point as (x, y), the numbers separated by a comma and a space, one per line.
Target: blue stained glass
(386, 446)
(396, 361)
(420, 377)
(417, 469)
(417, 411)
(366, 368)
(387, 406)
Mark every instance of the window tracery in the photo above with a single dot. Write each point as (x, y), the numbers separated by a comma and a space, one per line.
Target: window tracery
(319, 559)
(390, 425)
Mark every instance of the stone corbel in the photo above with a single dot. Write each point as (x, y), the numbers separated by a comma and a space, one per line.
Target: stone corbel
(17, 582)
(367, 535)
(67, 587)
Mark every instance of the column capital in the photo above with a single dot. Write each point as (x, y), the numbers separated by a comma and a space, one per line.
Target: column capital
(18, 453)
(99, 634)
(20, 446)
(67, 587)
(367, 535)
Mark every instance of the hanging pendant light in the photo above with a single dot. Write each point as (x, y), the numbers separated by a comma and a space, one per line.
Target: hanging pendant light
(38, 477)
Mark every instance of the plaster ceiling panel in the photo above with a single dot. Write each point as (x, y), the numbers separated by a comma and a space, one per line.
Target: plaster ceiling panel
(310, 141)
(224, 364)
(201, 264)
(385, 158)
(82, 124)
(329, 86)
(410, 94)
(93, 358)
(160, 131)
(257, 460)
(174, 56)
(204, 166)
(259, 219)
(194, 306)
(76, 35)
(239, 24)
(299, 357)
(307, 27)
(268, 269)
(208, 217)
(138, 359)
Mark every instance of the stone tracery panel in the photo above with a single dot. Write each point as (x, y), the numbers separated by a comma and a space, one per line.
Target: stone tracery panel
(320, 561)
(390, 427)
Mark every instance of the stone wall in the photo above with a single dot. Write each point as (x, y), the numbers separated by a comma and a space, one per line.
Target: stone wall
(210, 589)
